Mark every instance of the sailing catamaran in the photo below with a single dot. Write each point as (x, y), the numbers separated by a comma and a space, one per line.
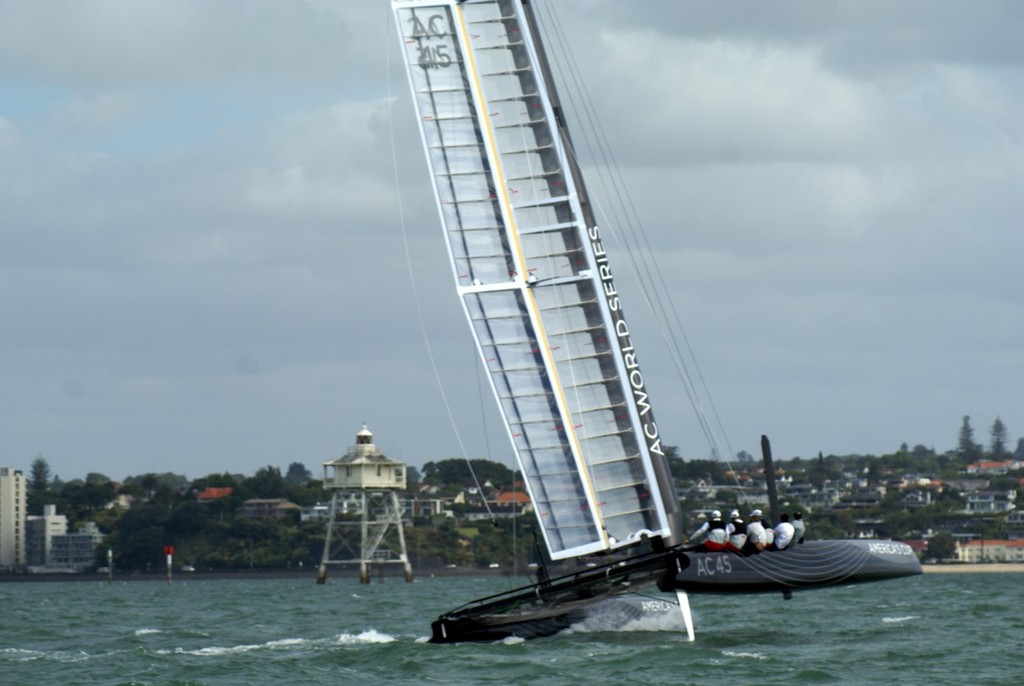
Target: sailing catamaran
(533, 276)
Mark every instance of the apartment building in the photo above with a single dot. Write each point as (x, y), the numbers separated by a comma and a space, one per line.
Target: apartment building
(76, 552)
(40, 530)
(13, 508)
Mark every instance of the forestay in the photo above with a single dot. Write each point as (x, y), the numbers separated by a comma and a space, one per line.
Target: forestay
(533, 277)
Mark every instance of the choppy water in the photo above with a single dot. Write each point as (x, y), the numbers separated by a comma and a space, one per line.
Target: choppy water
(935, 629)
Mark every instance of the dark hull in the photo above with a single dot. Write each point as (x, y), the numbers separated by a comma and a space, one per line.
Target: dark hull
(528, 623)
(545, 609)
(813, 564)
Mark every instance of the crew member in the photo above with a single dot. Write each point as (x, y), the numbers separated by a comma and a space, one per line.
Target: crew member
(783, 534)
(757, 537)
(702, 535)
(715, 541)
(798, 527)
(736, 533)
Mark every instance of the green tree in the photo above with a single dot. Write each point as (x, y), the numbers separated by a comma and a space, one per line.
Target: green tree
(676, 464)
(922, 455)
(824, 469)
(461, 472)
(829, 525)
(40, 487)
(712, 471)
(187, 520)
(967, 449)
(148, 482)
(438, 545)
(941, 546)
(267, 482)
(308, 493)
(39, 476)
(81, 501)
(151, 481)
(158, 489)
(874, 471)
(297, 474)
(412, 476)
(138, 538)
(998, 434)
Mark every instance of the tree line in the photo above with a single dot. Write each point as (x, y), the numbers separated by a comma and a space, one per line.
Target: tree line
(211, 535)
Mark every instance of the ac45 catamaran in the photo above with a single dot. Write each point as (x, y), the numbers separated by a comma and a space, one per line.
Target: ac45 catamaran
(534, 279)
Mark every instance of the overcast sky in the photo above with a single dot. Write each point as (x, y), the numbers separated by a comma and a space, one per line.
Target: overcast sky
(203, 266)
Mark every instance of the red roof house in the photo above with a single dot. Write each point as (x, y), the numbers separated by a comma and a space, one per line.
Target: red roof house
(214, 493)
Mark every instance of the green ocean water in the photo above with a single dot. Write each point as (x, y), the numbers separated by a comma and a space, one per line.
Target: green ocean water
(933, 629)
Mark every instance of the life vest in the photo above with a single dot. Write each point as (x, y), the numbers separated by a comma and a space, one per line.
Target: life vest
(716, 535)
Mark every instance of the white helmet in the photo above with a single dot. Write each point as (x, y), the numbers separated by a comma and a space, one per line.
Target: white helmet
(716, 515)
(734, 514)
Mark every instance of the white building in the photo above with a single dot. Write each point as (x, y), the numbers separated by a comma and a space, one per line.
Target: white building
(980, 550)
(50, 548)
(13, 508)
(76, 552)
(39, 533)
(991, 502)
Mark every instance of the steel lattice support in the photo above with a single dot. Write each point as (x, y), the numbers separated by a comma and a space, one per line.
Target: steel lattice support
(373, 535)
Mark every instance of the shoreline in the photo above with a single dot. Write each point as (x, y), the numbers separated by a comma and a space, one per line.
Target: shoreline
(397, 574)
(975, 568)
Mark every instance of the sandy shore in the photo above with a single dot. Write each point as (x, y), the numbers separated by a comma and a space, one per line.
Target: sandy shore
(974, 568)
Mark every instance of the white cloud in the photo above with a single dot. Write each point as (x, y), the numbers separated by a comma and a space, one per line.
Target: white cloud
(328, 161)
(98, 113)
(8, 135)
(204, 266)
(113, 45)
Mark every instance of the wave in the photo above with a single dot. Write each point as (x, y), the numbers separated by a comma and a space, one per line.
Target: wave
(898, 620)
(745, 654)
(368, 636)
(21, 654)
(174, 632)
(631, 614)
(235, 650)
(28, 655)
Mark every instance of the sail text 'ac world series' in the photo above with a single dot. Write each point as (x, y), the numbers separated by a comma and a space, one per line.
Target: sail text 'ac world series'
(625, 343)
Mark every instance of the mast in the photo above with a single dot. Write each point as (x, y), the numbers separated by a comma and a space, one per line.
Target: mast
(533, 276)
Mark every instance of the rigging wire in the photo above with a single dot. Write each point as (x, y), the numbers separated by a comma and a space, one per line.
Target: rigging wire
(646, 270)
(411, 272)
